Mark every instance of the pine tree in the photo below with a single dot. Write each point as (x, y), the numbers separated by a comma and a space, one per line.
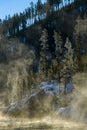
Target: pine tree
(68, 63)
(57, 62)
(51, 3)
(39, 8)
(44, 52)
(57, 3)
(32, 10)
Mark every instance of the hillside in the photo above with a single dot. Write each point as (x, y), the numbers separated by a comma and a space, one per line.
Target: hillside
(43, 68)
(26, 26)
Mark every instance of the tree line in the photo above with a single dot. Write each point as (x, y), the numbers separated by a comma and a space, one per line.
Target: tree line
(60, 65)
(11, 26)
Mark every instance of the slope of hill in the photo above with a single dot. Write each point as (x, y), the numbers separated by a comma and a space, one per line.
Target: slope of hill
(21, 76)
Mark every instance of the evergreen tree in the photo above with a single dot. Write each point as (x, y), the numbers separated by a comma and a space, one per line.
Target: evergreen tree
(14, 23)
(32, 10)
(5, 28)
(29, 15)
(68, 63)
(57, 62)
(39, 8)
(56, 3)
(49, 7)
(50, 2)
(44, 52)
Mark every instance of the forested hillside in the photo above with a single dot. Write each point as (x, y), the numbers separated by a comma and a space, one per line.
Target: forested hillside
(43, 61)
(43, 28)
(47, 15)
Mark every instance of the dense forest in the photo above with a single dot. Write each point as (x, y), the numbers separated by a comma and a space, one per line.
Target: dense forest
(41, 13)
(53, 15)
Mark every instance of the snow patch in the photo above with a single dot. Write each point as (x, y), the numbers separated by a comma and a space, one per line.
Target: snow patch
(50, 87)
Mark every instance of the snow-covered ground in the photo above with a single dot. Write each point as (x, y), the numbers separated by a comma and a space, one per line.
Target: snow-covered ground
(53, 87)
(50, 87)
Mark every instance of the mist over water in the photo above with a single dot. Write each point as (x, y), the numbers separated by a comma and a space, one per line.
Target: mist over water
(80, 102)
(47, 123)
(75, 118)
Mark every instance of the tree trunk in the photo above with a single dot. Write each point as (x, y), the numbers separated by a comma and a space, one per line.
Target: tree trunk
(65, 90)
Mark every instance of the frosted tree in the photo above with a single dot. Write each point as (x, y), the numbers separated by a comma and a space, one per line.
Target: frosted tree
(57, 62)
(44, 51)
(68, 63)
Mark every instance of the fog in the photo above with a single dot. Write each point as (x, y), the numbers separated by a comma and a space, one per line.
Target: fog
(75, 118)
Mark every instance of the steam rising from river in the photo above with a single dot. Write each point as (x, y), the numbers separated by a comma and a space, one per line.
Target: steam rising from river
(76, 119)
